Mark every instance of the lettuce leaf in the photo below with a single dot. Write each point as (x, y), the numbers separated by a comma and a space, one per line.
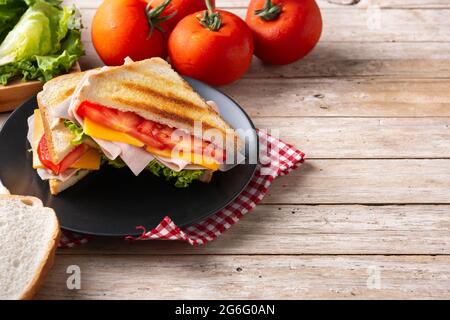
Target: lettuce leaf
(10, 13)
(76, 130)
(46, 41)
(180, 179)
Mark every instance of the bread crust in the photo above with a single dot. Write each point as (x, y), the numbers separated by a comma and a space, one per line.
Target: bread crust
(57, 186)
(48, 260)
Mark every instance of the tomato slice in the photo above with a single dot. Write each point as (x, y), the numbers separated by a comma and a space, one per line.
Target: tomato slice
(145, 132)
(114, 119)
(44, 156)
(71, 158)
(153, 134)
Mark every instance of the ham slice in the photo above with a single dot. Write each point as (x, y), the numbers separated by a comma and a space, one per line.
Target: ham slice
(177, 164)
(30, 121)
(47, 174)
(137, 159)
(62, 110)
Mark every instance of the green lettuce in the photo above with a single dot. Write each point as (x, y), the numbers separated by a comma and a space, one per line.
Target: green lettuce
(77, 131)
(10, 13)
(46, 41)
(180, 179)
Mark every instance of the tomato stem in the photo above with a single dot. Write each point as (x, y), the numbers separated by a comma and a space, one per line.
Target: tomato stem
(154, 16)
(269, 12)
(210, 19)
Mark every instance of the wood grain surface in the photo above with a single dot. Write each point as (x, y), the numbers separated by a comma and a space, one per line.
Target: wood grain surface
(370, 106)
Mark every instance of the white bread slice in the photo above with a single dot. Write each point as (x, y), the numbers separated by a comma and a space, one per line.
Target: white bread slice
(152, 89)
(57, 186)
(55, 92)
(30, 234)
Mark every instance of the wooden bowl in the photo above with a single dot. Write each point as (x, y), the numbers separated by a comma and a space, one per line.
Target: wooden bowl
(16, 92)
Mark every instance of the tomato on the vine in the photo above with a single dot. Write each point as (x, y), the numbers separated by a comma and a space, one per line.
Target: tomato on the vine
(179, 9)
(128, 28)
(284, 30)
(214, 46)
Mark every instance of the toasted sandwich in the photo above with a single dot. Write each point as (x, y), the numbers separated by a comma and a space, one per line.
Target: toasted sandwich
(142, 115)
(57, 155)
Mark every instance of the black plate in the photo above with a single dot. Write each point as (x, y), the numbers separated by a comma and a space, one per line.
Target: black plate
(112, 202)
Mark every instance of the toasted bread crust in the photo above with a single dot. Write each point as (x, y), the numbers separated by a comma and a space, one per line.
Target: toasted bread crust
(57, 186)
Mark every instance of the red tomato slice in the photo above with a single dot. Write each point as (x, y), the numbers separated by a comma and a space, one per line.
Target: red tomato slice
(71, 158)
(114, 119)
(151, 133)
(44, 156)
(146, 131)
(126, 122)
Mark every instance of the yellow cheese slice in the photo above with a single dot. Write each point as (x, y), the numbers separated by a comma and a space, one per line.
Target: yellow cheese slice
(101, 132)
(194, 158)
(90, 160)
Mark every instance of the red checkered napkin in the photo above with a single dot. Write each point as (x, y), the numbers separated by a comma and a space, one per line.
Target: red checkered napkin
(277, 158)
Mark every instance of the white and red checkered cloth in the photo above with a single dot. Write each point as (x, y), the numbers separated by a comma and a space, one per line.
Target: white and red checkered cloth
(277, 158)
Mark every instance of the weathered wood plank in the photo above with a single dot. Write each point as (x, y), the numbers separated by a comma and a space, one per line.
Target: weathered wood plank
(396, 25)
(251, 277)
(363, 137)
(302, 229)
(335, 4)
(357, 97)
(364, 182)
(347, 59)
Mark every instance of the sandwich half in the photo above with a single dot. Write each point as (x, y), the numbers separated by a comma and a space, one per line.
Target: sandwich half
(58, 154)
(141, 115)
(144, 112)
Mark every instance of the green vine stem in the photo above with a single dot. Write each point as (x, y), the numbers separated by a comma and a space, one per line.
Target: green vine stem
(210, 19)
(269, 12)
(154, 16)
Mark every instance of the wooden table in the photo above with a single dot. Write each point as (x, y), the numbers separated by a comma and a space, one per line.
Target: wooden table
(367, 216)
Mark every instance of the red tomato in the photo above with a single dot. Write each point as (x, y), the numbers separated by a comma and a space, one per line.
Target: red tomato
(111, 118)
(126, 122)
(284, 37)
(216, 57)
(71, 158)
(182, 9)
(120, 28)
(149, 132)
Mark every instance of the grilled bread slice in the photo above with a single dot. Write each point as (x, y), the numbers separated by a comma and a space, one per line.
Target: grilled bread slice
(153, 90)
(59, 138)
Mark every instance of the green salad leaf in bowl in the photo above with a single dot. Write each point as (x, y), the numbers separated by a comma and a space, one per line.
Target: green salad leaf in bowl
(40, 40)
